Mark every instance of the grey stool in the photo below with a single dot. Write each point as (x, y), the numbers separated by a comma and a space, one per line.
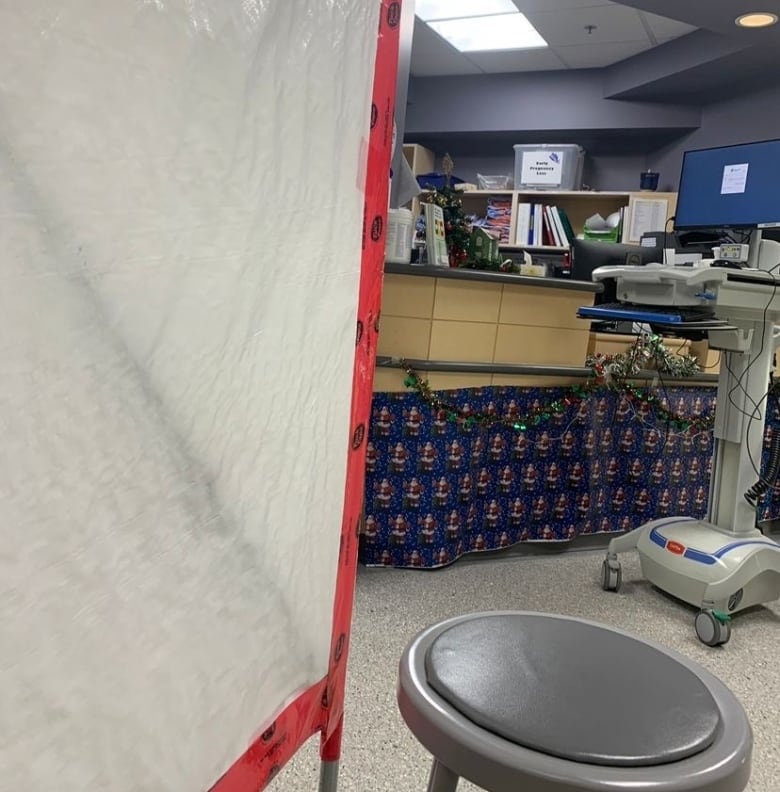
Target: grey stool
(525, 701)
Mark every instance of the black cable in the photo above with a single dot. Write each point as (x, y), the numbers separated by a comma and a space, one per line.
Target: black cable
(739, 383)
(756, 468)
(716, 364)
(750, 416)
(767, 481)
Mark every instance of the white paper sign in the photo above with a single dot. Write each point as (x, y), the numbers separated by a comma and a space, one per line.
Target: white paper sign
(647, 215)
(734, 179)
(542, 167)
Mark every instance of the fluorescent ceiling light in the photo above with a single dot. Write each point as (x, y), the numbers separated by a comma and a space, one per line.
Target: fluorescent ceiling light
(756, 20)
(486, 33)
(429, 10)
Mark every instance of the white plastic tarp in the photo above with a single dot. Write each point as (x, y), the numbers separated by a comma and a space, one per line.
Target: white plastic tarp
(181, 192)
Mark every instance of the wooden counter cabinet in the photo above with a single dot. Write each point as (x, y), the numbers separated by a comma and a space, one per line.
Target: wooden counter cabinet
(438, 314)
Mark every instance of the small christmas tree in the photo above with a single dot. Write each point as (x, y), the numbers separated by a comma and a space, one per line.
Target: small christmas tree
(456, 226)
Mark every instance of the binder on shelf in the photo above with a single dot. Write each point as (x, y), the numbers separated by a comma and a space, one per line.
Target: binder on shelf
(538, 215)
(551, 237)
(567, 226)
(563, 239)
(523, 234)
(538, 222)
(548, 235)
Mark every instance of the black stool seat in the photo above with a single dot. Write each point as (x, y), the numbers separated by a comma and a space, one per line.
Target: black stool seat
(573, 690)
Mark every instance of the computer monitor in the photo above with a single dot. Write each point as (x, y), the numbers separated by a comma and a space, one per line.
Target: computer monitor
(730, 187)
(588, 255)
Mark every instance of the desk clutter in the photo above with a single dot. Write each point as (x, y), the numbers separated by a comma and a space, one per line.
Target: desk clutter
(540, 209)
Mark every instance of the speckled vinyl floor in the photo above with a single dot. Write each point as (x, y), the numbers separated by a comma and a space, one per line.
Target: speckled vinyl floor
(380, 755)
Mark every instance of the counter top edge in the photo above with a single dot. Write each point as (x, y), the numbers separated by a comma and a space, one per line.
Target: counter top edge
(491, 277)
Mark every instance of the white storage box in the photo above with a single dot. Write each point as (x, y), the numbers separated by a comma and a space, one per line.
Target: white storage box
(541, 166)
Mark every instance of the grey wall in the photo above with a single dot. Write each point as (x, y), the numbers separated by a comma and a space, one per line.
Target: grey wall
(614, 172)
(538, 101)
(740, 119)
(468, 166)
(478, 118)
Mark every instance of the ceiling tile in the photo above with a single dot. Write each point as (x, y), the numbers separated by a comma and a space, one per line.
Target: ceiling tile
(590, 57)
(433, 56)
(666, 29)
(516, 60)
(427, 40)
(620, 33)
(612, 23)
(558, 5)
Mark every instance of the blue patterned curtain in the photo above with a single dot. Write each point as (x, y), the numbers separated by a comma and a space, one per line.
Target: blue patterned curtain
(437, 489)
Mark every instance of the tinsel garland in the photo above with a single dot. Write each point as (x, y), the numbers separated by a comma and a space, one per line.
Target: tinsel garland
(646, 350)
(610, 373)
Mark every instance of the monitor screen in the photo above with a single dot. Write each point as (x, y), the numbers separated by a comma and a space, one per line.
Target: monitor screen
(730, 187)
(588, 255)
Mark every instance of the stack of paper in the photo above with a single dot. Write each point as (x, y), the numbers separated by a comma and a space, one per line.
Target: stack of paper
(498, 218)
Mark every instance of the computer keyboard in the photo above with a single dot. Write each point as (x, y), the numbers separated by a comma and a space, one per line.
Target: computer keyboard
(651, 314)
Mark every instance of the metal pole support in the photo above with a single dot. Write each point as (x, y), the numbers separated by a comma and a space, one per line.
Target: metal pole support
(329, 776)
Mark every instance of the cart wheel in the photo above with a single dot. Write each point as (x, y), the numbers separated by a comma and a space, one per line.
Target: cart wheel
(611, 575)
(710, 630)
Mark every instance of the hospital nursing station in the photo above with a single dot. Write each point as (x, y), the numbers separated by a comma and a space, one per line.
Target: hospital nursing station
(513, 297)
(580, 320)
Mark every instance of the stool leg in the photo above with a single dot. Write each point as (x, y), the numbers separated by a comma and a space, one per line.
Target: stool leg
(442, 778)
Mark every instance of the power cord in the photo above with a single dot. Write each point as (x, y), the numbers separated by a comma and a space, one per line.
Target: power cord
(739, 385)
(767, 481)
(717, 363)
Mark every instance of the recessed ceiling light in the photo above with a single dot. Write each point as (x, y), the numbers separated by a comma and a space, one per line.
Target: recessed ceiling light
(756, 20)
(489, 33)
(429, 10)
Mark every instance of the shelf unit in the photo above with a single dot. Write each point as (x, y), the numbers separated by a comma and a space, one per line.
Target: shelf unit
(476, 202)
(420, 159)
(579, 205)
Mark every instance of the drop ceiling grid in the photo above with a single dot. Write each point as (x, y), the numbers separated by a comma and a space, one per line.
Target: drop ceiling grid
(619, 33)
(432, 56)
